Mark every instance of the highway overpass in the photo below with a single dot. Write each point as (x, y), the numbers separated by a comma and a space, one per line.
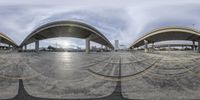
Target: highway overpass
(166, 34)
(66, 29)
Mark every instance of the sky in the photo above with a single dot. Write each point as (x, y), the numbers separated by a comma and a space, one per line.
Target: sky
(123, 20)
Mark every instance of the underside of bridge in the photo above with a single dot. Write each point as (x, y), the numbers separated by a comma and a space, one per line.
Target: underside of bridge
(6, 40)
(166, 34)
(67, 29)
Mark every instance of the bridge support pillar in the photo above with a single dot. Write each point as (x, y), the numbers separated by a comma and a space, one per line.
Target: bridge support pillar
(106, 48)
(198, 46)
(145, 46)
(169, 47)
(153, 47)
(9, 46)
(25, 47)
(87, 49)
(193, 45)
(37, 46)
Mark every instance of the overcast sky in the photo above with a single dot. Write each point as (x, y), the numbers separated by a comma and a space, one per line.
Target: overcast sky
(125, 20)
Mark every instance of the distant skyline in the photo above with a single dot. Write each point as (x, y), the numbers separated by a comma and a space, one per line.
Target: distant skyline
(123, 20)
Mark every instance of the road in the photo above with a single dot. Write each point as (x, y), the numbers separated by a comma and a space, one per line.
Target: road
(103, 76)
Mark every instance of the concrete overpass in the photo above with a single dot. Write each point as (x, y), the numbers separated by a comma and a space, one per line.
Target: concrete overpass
(175, 45)
(166, 34)
(66, 29)
(6, 40)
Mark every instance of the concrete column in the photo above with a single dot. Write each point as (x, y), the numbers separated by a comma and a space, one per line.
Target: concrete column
(145, 46)
(182, 47)
(87, 49)
(153, 47)
(25, 47)
(193, 45)
(37, 46)
(106, 48)
(199, 46)
(169, 48)
(195, 48)
(9, 46)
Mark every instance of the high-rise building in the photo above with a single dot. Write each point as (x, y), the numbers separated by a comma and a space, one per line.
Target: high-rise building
(116, 44)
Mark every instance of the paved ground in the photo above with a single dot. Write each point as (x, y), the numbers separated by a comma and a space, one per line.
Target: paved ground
(64, 75)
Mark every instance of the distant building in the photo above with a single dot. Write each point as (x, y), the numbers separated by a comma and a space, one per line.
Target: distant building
(116, 44)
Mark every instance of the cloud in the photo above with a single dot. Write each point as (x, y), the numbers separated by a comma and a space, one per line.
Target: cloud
(113, 23)
(125, 20)
(164, 15)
